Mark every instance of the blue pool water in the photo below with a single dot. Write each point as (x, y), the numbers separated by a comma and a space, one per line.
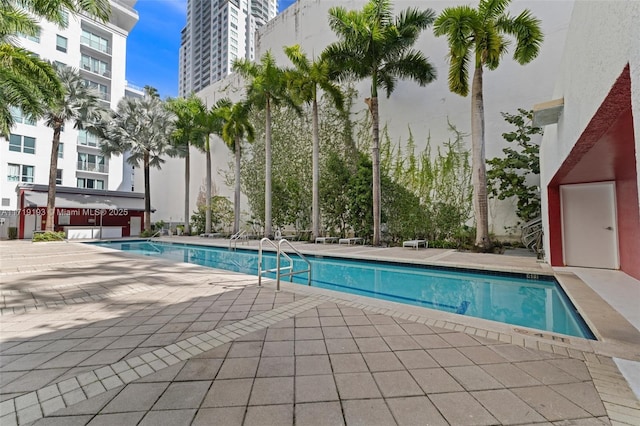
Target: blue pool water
(539, 304)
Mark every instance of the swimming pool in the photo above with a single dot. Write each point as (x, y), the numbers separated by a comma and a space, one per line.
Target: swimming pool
(507, 298)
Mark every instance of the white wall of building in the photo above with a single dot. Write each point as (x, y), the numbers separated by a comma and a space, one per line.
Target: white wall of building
(603, 37)
(424, 109)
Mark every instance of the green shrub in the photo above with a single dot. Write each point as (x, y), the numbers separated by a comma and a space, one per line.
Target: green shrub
(48, 236)
(13, 232)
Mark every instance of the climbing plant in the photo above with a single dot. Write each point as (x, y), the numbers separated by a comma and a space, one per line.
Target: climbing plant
(516, 173)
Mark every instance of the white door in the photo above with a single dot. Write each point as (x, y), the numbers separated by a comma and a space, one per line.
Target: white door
(589, 226)
(135, 224)
(32, 223)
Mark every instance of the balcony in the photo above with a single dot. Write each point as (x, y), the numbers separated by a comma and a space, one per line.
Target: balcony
(85, 41)
(101, 73)
(92, 167)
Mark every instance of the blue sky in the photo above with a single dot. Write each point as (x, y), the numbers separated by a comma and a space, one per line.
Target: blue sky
(153, 44)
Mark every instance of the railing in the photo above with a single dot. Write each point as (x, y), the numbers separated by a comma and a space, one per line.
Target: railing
(93, 167)
(103, 73)
(278, 269)
(240, 235)
(85, 41)
(532, 233)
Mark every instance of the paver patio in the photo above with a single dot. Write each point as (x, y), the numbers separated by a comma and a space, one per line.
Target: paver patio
(104, 338)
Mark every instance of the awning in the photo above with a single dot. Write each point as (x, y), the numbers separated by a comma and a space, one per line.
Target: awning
(84, 201)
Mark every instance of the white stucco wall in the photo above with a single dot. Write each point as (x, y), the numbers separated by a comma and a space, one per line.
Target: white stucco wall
(424, 109)
(603, 37)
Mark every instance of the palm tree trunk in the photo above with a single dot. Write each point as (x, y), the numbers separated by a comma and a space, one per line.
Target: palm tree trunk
(375, 159)
(53, 172)
(147, 193)
(267, 173)
(479, 172)
(236, 192)
(187, 178)
(207, 220)
(315, 204)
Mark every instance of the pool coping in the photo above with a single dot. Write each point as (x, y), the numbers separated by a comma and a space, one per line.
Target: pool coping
(601, 317)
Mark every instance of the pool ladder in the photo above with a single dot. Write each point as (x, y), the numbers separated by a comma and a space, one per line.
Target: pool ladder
(240, 235)
(282, 271)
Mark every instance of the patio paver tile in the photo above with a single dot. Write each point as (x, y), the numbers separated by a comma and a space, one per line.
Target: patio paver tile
(357, 386)
(236, 368)
(310, 347)
(435, 380)
(550, 404)
(310, 365)
(415, 410)
(136, 397)
(272, 390)
(319, 414)
(472, 377)
(315, 388)
(269, 415)
(367, 412)
(462, 409)
(584, 395)
(449, 357)
(116, 419)
(276, 366)
(228, 393)
(506, 407)
(183, 395)
(285, 348)
(397, 383)
(382, 361)
(223, 416)
(168, 418)
(199, 369)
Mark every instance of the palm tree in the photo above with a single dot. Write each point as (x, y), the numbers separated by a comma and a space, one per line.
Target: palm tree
(375, 44)
(208, 122)
(266, 88)
(187, 133)
(26, 81)
(479, 37)
(80, 105)
(236, 127)
(304, 81)
(142, 127)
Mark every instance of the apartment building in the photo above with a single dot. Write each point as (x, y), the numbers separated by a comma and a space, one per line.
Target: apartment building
(98, 51)
(217, 33)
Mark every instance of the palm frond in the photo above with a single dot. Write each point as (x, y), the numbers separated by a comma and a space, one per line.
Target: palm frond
(528, 33)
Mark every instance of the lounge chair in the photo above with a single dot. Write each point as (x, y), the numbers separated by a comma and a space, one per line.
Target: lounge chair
(415, 243)
(352, 240)
(325, 240)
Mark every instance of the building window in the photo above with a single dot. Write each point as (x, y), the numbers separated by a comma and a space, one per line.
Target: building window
(95, 41)
(59, 177)
(104, 90)
(34, 38)
(94, 65)
(65, 17)
(18, 143)
(20, 117)
(61, 43)
(91, 163)
(7, 202)
(87, 139)
(59, 65)
(60, 150)
(90, 183)
(20, 173)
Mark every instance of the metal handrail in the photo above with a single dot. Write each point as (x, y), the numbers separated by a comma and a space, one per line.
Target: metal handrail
(278, 269)
(155, 235)
(235, 237)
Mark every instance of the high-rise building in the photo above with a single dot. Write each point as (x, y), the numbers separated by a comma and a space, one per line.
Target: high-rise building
(218, 32)
(98, 51)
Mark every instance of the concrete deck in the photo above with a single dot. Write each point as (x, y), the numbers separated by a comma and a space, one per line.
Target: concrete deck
(93, 336)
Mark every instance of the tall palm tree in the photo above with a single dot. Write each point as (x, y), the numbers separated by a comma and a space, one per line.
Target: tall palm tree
(235, 128)
(372, 43)
(26, 81)
(266, 88)
(142, 127)
(80, 105)
(304, 81)
(208, 122)
(187, 133)
(478, 37)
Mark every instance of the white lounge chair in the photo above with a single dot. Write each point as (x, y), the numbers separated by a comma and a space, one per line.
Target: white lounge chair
(415, 243)
(352, 240)
(325, 240)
